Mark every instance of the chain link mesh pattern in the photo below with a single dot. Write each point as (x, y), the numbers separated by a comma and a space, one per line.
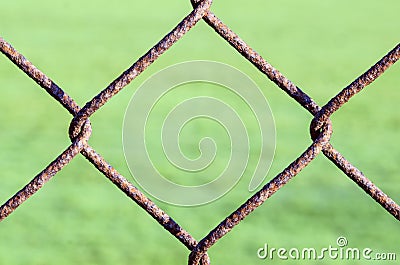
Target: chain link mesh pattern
(80, 131)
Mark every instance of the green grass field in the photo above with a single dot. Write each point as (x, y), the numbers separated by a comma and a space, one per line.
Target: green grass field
(79, 217)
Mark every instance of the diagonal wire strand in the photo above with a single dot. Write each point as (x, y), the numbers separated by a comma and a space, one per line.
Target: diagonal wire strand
(39, 77)
(43, 177)
(321, 116)
(80, 131)
(261, 196)
(139, 66)
(33, 186)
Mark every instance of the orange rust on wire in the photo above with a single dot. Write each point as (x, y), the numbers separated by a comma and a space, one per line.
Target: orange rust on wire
(261, 64)
(132, 192)
(139, 66)
(41, 79)
(43, 177)
(293, 91)
(363, 182)
(261, 196)
(338, 159)
(160, 216)
(320, 129)
(355, 87)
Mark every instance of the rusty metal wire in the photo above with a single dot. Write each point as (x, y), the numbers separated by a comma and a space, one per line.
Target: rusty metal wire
(80, 131)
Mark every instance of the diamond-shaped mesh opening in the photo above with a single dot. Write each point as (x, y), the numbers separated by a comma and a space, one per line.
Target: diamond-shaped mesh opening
(80, 131)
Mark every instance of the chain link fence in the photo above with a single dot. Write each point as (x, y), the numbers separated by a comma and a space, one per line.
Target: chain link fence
(80, 131)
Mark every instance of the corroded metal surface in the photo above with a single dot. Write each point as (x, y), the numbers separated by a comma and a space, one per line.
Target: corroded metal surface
(80, 131)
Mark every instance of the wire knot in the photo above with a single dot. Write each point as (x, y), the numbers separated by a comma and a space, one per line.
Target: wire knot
(196, 257)
(81, 133)
(197, 3)
(321, 130)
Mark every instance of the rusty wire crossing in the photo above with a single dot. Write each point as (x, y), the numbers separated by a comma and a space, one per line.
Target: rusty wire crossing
(80, 131)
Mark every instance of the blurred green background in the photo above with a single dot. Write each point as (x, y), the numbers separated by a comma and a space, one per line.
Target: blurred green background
(80, 217)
